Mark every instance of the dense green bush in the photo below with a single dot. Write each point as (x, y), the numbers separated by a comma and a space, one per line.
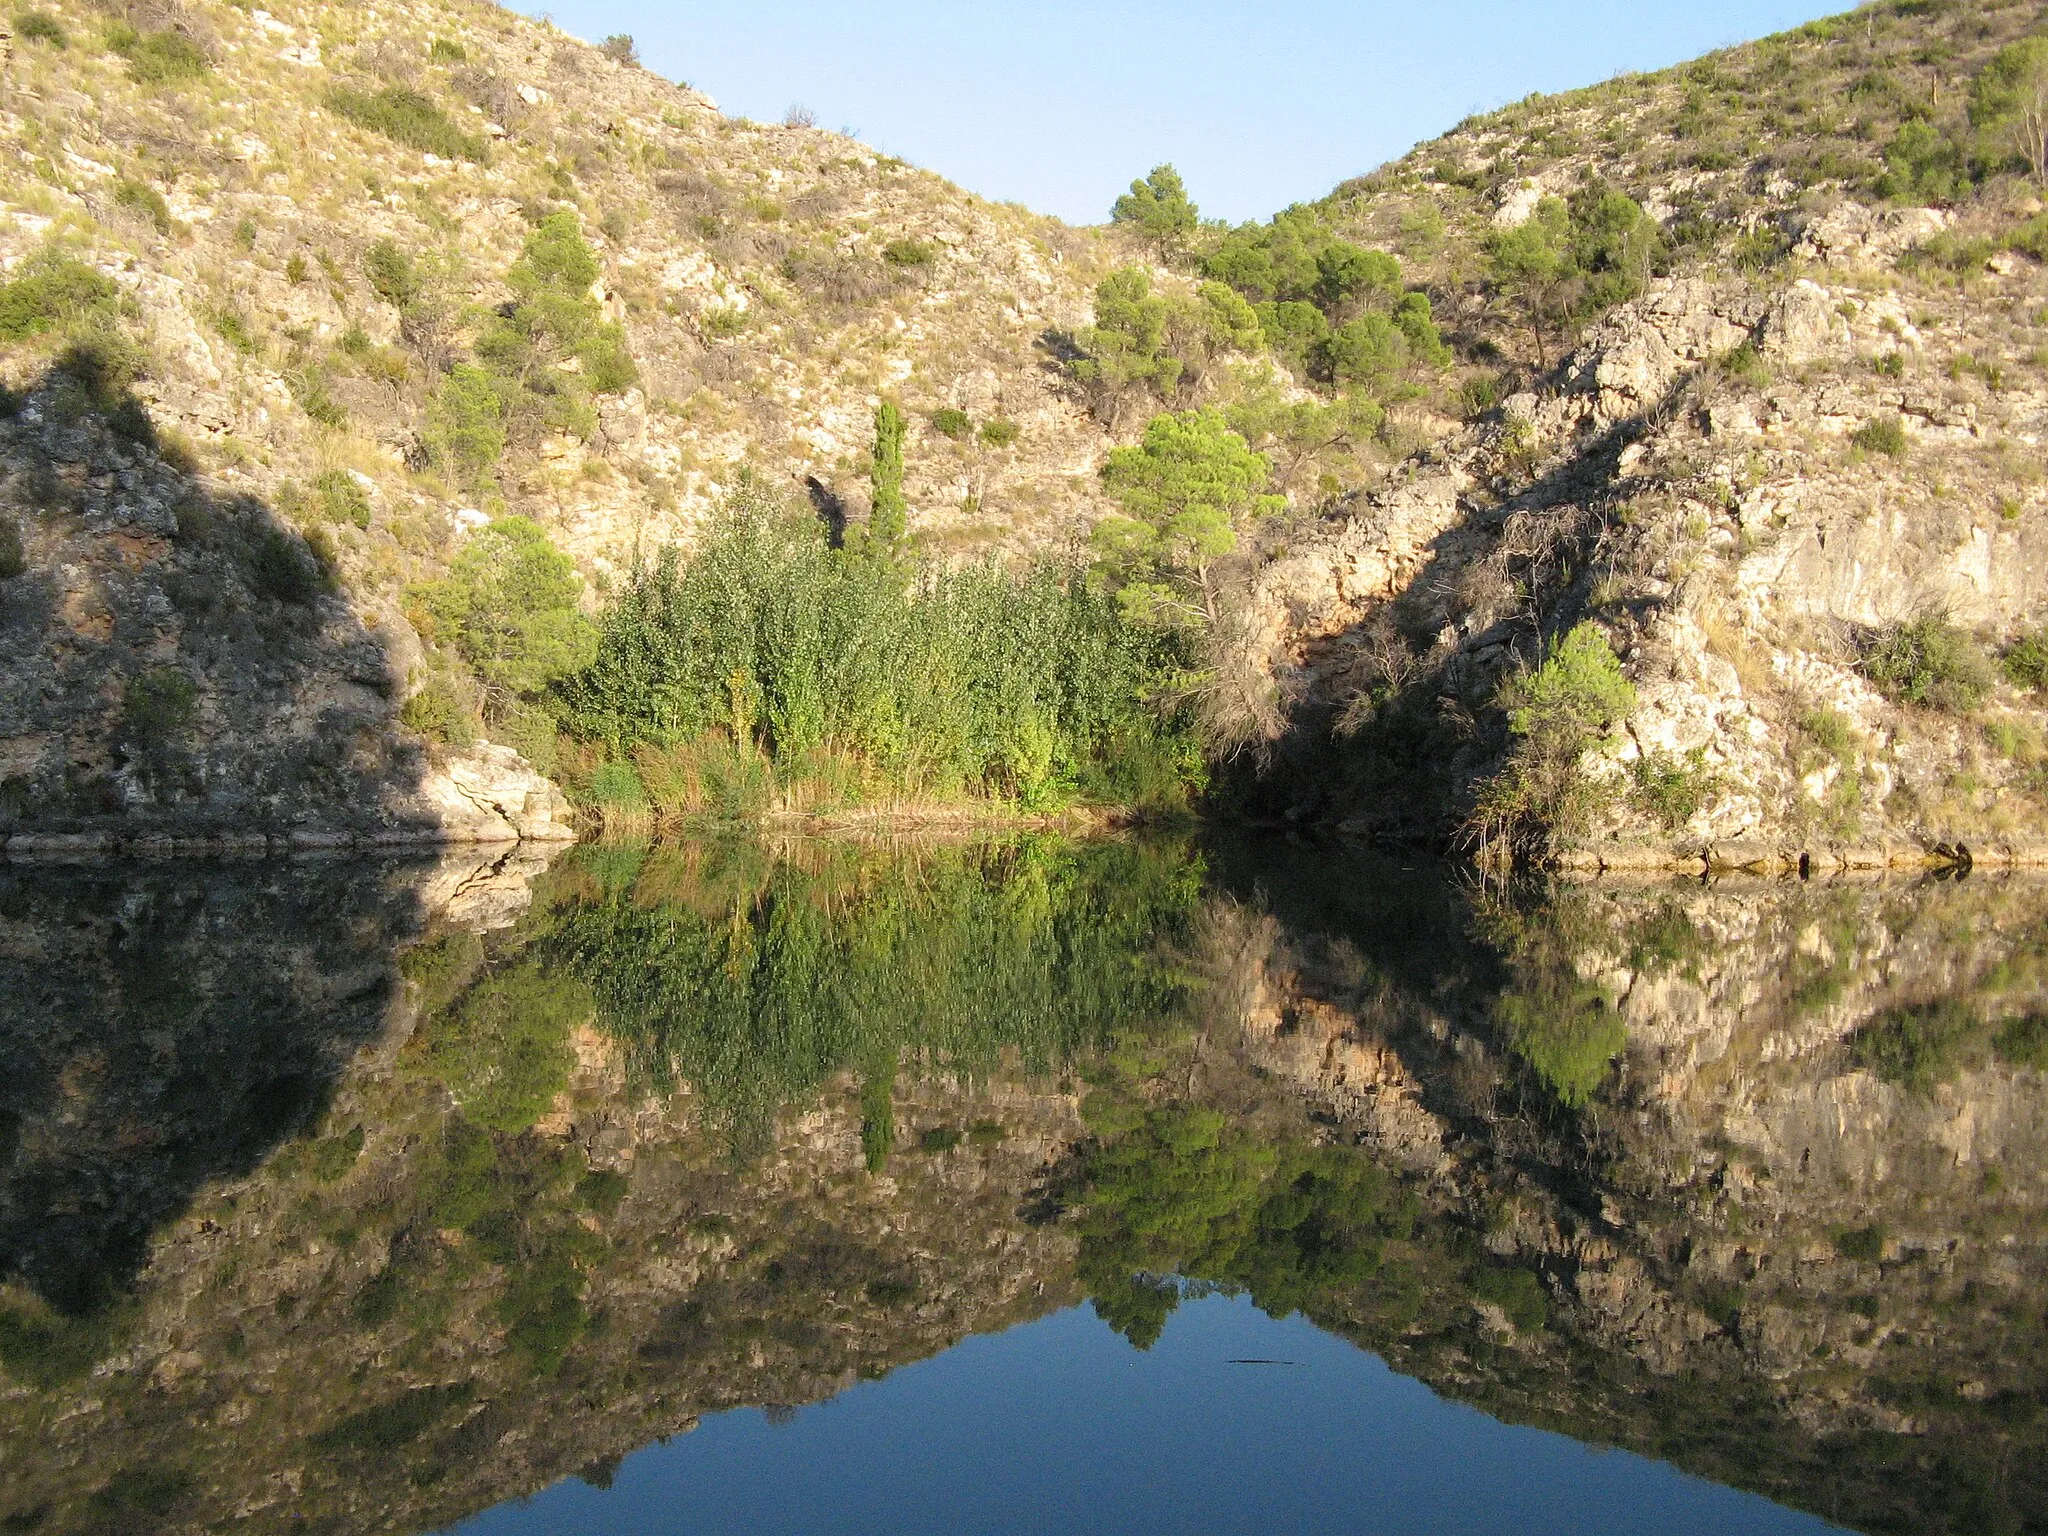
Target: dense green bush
(139, 197)
(409, 117)
(440, 714)
(956, 424)
(940, 682)
(163, 57)
(284, 568)
(341, 499)
(13, 560)
(1571, 261)
(53, 290)
(1881, 434)
(159, 705)
(2026, 660)
(1540, 795)
(508, 608)
(1159, 208)
(1929, 662)
(41, 27)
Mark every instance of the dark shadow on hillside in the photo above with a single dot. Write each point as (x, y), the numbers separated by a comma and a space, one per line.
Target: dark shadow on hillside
(164, 1025)
(1402, 775)
(175, 658)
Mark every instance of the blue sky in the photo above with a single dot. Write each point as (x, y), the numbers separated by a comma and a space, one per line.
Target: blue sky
(1058, 105)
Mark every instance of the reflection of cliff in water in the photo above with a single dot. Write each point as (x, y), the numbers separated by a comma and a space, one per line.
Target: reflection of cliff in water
(1696, 1172)
(1773, 1155)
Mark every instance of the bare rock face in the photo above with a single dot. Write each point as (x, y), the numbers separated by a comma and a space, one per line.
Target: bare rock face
(490, 794)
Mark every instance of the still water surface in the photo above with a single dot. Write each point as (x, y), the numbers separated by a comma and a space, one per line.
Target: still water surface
(830, 1187)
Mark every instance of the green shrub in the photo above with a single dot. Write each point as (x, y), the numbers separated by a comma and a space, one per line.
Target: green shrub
(908, 254)
(2023, 1042)
(1579, 686)
(1881, 434)
(508, 607)
(231, 326)
(1919, 1047)
(165, 57)
(408, 117)
(13, 559)
(1000, 433)
(1673, 789)
(1830, 731)
(1517, 1292)
(315, 396)
(392, 274)
(2026, 660)
(341, 499)
(955, 424)
(139, 197)
(440, 714)
(40, 27)
(283, 568)
(1864, 1244)
(466, 421)
(1929, 662)
(444, 51)
(941, 1138)
(53, 290)
(158, 705)
(1566, 1031)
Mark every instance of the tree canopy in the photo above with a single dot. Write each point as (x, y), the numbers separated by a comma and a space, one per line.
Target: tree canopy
(1184, 490)
(1159, 207)
(508, 607)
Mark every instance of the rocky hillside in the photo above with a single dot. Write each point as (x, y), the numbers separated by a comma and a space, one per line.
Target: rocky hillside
(254, 260)
(1794, 484)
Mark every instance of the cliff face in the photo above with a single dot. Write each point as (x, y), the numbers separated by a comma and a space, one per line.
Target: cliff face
(1719, 524)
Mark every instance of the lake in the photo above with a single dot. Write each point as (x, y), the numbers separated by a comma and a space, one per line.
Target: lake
(1017, 1184)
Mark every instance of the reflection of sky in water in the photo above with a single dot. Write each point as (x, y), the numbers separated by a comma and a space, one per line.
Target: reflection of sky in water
(1060, 1426)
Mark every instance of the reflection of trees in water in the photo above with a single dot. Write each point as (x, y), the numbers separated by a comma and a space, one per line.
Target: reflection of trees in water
(754, 983)
(493, 1263)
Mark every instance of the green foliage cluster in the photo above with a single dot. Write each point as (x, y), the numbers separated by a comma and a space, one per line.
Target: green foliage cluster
(164, 56)
(1881, 434)
(1181, 1191)
(503, 1049)
(757, 982)
(439, 713)
(287, 569)
(409, 117)
(139, 197)
(537, 365)
(2025, 661)
(1566, 1029)
(1159, 208)
(341, 499)
(159, 705)
(1672, 788)
(1555, 712)
(13, 559)
(1329, 308)
(53, 291)
(1148, 345)
(888, 512)
(1930, 662)
(1923, 1045)
(41, 27)
(1185, 489)
(1570, 261)
(939, 682)
(508, 608)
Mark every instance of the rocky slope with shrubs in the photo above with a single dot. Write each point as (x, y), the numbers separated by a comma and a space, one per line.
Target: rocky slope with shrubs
(1646, 475)
(1744, 570)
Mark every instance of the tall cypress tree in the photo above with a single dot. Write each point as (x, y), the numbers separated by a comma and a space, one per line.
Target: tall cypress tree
(888, 520)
